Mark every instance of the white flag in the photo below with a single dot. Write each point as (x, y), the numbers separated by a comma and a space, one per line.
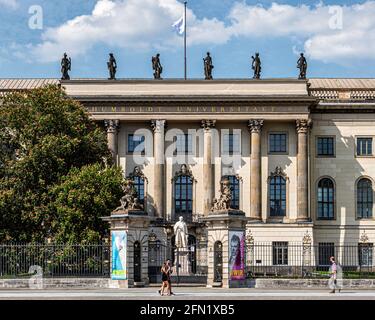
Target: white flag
(179, 25)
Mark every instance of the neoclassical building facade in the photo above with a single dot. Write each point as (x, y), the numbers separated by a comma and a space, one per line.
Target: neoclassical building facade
(299, 154)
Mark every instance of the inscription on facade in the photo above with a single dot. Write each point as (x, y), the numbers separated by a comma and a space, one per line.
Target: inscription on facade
(192, 109)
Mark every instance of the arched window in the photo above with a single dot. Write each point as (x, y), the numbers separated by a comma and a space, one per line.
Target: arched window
(183, 193)
(326, 199)
(277, 193)
(139, 180)
(277, 187)
(139, 184)
(235, 190)
(364, 199)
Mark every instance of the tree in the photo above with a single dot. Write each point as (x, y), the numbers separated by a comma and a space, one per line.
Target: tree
(43, 136)
(81, 199)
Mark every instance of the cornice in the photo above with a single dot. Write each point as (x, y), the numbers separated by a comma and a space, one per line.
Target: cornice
(205, 98)
(179, 81)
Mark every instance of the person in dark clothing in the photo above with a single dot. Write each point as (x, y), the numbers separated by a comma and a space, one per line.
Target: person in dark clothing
(165, 280)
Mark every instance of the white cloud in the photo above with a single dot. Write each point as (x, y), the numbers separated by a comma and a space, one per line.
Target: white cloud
(9, 3)
(140, 24)
(316, 26)
(126, 23)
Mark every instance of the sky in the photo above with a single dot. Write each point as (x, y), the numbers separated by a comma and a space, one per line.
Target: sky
(337, 37)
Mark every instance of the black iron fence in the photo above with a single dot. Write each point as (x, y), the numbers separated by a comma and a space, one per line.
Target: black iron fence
(272, 259)
(283, 259)
(55, 260)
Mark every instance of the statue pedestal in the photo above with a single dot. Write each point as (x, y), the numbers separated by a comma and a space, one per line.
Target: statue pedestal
(226, 248)
(181, 264)
(129, 248)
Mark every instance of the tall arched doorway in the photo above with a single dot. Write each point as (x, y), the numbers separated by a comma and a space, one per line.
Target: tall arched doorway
(137, 262)
(218, 261)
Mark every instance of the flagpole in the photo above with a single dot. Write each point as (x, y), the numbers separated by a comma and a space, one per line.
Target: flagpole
(185, 61)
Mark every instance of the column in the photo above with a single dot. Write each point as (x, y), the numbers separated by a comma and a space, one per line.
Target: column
(255, 127)
(208, 166)
(112, 127)
(302, 127)
(158, 127)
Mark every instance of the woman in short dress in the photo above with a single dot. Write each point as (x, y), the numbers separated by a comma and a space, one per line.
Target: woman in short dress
(165, 279)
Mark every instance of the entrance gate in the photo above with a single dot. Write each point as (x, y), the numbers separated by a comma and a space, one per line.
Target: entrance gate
(159, 252)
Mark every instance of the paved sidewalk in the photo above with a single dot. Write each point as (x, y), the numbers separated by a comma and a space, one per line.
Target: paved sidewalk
(184, 293)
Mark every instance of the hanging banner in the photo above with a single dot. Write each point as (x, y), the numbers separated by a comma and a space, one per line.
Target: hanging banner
(236, 255)
(119, 248)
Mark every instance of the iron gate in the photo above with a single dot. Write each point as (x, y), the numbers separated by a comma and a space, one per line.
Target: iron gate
(159, 252)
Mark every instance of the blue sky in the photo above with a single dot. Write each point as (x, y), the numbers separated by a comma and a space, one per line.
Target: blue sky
(338, 37)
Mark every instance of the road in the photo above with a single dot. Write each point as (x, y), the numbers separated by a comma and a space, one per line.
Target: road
(184, 293)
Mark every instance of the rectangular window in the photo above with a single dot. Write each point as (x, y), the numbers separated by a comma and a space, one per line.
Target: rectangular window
(136, 143)
(325, 251)
(277, 143)
(365, 253)
(280, 253)
(184, 144)
(231, 144)
(364, 146)
(325, 146)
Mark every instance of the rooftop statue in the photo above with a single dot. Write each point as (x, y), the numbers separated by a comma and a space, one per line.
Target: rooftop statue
(112, 67)
(256, 66)
(302, 66)
(208, 67)
(156, 66)
(66, 66)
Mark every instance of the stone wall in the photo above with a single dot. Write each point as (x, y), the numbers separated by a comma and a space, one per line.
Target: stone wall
(104, 283)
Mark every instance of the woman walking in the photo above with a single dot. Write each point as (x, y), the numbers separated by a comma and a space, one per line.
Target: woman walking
(165, 279)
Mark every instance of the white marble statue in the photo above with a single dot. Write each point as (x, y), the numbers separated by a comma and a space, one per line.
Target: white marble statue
(181, 233)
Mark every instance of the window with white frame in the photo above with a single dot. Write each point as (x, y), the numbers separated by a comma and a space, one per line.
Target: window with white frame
(364, 146)
(184, 144)
(277, 143)
(231, 143)
(136, 143)
(279, 253)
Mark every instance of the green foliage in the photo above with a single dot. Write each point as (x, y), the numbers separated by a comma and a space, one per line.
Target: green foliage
(44, 136)
(84, 196)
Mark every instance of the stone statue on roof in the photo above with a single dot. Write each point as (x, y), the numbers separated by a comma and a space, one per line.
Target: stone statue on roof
(66, 66)
(256, 66)
(302, 66)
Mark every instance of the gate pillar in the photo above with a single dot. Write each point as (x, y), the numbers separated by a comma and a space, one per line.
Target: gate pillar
(129, 248)
(226, 232)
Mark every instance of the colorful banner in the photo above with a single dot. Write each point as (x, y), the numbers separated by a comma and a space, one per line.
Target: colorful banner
(119, 248)
(236, 255)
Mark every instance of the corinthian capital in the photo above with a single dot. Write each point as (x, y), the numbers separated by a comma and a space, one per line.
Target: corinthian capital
(112, 126)
(303, 125)
(255, 125)
(208, 124)
(158, 125)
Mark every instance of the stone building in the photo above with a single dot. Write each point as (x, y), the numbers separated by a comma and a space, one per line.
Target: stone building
(299, 154)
